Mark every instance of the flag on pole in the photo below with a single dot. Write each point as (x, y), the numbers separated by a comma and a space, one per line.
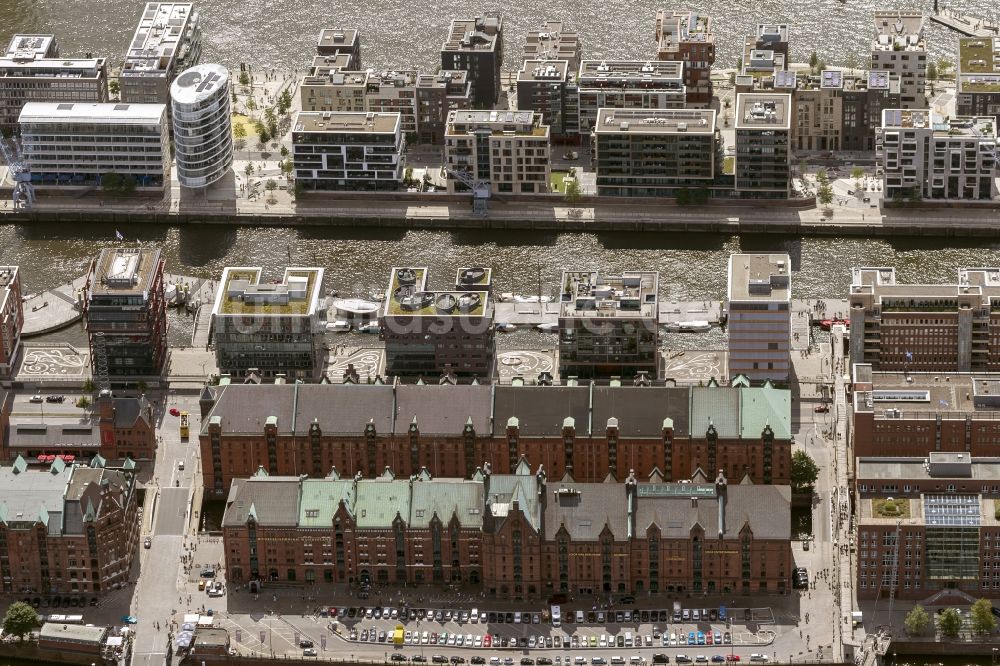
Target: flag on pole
(118, 235)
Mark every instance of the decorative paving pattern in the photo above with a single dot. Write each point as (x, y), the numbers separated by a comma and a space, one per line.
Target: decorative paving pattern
(367, 362)
(527, 364)
(691, 366)
(54, 362)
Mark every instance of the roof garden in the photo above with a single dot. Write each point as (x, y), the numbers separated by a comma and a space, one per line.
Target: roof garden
(978, 64)
(243, 294)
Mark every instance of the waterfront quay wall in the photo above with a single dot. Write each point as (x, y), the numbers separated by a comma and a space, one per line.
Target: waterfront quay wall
(295, 660)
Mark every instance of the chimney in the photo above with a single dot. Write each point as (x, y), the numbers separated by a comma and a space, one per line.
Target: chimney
(694, 502)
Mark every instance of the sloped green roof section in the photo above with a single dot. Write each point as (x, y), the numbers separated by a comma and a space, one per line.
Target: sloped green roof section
(320, 500)
(760, 407)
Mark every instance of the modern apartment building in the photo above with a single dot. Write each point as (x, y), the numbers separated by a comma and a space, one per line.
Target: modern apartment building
(549, 87)
(11, 319)
(203, 131)
(625, 84)
(507, 150)
(864, 98)
(347, 150)
(166, 42)
(437, 96)
(587, 430)
(476, 45)
(609, 325)
(126, 313)
(687, 37)
(771, 37)
(430, 333)
(763, 145)
(32, 71)
(925, 156)
(269, 328)
(515, 536)
(552, 42)
(925, 328)
(374, 92)
(76, 145)
(978, 77)
(759, 300)
(899, 48)
(927, 525)
(334, 42)
(654, 152)
(69, 529)
(116, 429)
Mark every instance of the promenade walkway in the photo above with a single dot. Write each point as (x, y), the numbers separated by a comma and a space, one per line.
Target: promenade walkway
(52, 309)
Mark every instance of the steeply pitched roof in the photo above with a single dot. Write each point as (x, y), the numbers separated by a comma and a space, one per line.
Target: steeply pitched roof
(585, 508)
(718, 406)
(30, 494)
(446, 497)
(379, 501)
(765, 406)
(504, 489)
(244, 408)
(320, 500)
(541, 410)
(274, 500)
(129, 410)
(443, 409)
(767, 509)
(641, 410)
(343, 408)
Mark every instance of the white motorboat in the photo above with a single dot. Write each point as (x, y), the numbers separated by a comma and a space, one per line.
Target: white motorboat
(518, 298)
(355, 306)
(698, 326)
(505, 327)
(369, 327)
(339, 326)
(548, 327)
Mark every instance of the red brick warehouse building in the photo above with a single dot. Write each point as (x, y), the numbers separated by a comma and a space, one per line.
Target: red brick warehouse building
(587, 431)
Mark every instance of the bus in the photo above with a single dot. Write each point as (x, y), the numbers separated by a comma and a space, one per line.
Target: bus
(185, 430)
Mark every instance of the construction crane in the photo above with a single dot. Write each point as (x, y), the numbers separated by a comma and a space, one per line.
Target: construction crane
(24, 192)
(480, 189)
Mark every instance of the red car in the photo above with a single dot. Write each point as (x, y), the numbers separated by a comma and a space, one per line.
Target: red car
(487, 640)
(732, 657)
(174, 411)
(821, 409)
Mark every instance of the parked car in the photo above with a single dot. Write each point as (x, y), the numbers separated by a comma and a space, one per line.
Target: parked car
(147, 543)
(309, 652)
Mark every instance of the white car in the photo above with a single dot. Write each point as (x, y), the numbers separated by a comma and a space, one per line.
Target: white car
(603, 642)
(673, 638)
(478, 642)
(759, 657)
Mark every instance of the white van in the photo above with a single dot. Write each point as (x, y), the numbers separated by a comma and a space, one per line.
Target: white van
(635, 659)
(628, 639)
(474, 617)
(579, 617)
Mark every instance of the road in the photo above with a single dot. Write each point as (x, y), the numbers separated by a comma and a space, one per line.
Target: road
(161, 583)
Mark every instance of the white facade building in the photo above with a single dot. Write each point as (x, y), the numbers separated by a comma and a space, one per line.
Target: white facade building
(347, 151)
(509, 150)
(166, 41)
(74, 145)
(925, 156)
(203, 133)
(760, 320)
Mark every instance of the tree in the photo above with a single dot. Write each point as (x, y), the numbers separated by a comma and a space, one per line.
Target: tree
(852, 61)
(824, 194)
(270, 185)
(932, 72)
(89, 386)
(142, 386)
(251, 105)
(943, 66)
(572, 192)
(981, 615)
(240, 131)
(272, 128)
(244, 79)
(114, 88)
(916, 621)
(820, 66)
(248, 170)
(269, 116)
(683, 196)
(857, 173)
(111, 182)
(284, 151)
(804, 472)
(83, 402)
(286, 167)
(813, 60)
(128, 184)
(700, 195)
(950, 622)
(19, 619)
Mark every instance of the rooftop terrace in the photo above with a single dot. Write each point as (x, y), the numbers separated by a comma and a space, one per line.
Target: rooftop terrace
(478, 34)
(591, 294)
(763, 110)
(979, 65)
(346, 122)
(409, 296)
(760, 277)
(898, 31)
(125, 270)
(655, 121)
(241, 292)
(157, 42)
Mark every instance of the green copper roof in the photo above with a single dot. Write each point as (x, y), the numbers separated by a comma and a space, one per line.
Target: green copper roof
(321, 499)
(760, 407)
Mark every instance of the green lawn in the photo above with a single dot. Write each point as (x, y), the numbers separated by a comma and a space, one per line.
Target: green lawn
(728, 165)
(556, 181)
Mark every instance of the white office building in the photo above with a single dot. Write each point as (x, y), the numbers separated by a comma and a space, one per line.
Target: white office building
(203, 133)
(75, 145)
(166, 41)
(760, 320)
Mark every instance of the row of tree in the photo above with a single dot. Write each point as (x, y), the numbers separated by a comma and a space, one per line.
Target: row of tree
(949, 621)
